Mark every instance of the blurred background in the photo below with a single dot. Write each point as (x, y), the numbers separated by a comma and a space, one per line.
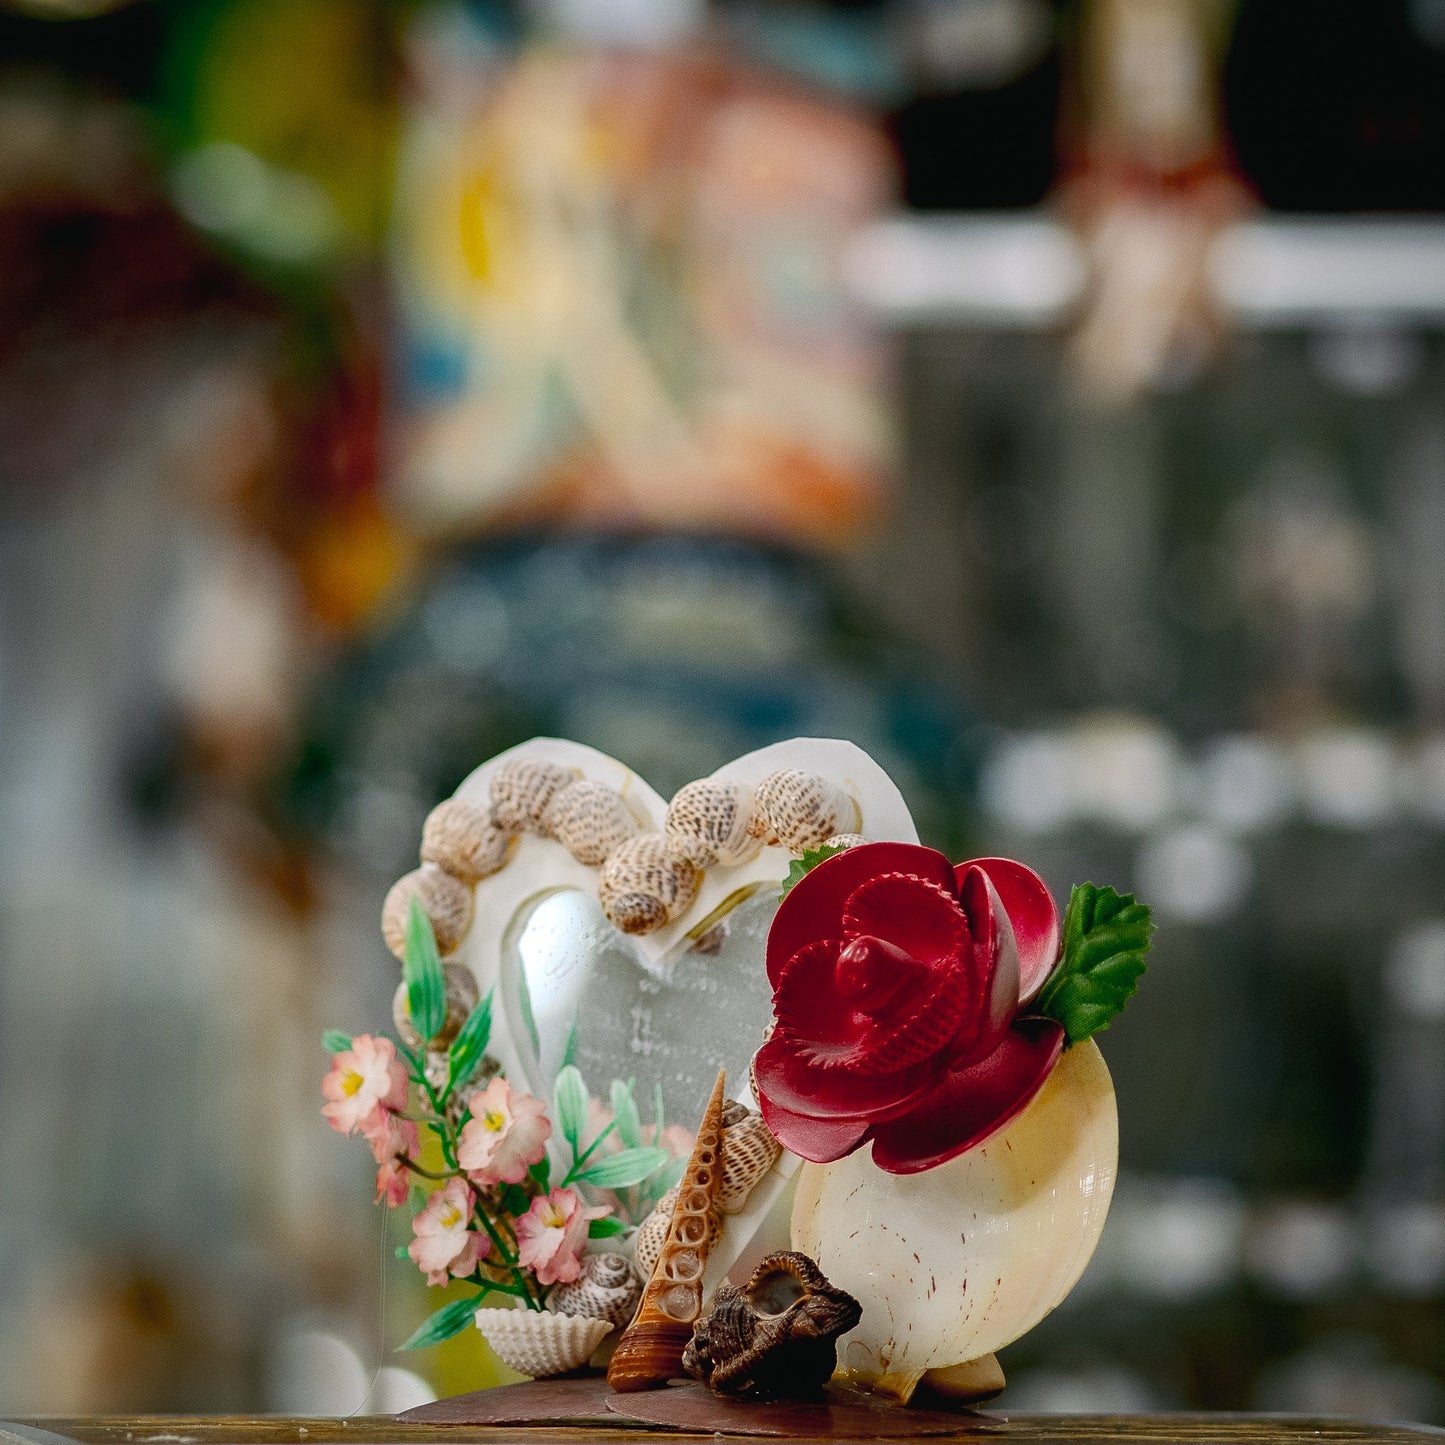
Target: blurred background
(1047, 394)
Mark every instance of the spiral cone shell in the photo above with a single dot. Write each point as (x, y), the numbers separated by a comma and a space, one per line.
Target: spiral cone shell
(539, 1344)
(590, 820)
(650, 1350)
(711, 822)
(607, 1289)
(647, 1242)
(641, 887)
(465, 840)
(748, 1152)
(802, 810)
(521, 790)
(447, 901)
(462, 997)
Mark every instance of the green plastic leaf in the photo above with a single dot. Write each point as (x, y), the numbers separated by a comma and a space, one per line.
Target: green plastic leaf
(401, 1252)
(541, 1174)
(465, 1055)
(569, 1054)
(624, 1111)
(451, 1319)
(426, 987)
(801, 867)
(605, 1228)
(334, 1041)
(570, 1100)
(1106, 939)
(627, 1167)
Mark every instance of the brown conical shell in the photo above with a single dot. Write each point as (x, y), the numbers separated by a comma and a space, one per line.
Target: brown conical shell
(647, 1242)
(710, 822)
(462, 998)
(447, 901)
(641, 887)
(649, 1353)
(590, 820)
(521, 790)
(465, 840)
(802, 810)
(748, 1152)
(607, 1289)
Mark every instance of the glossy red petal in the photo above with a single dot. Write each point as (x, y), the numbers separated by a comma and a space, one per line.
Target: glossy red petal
(920, 917)
(925, 1026)
(809, 1004)
(1031, 910)
(814, 908)
(996, 963)
(793, 1081)
(821, 1140)
(971, 1104)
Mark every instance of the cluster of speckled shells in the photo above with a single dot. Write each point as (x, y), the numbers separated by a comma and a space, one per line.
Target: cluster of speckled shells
(646, 880)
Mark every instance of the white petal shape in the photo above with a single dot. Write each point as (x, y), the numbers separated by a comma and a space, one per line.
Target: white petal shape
(958, 1261)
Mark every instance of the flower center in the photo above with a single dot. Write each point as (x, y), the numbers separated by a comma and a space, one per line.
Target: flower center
(553, 1218)
(872, 972)
(494, 1121)
(351, 1083)
(449, 1216)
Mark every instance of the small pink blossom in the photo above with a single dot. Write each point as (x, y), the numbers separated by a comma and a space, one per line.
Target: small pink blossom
(391, 1139)
(508, 1131)
(551, 1236)
(363, 1078)
(444, 1246)
(676, 1141)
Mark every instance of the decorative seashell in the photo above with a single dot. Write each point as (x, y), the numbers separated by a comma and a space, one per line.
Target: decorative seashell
(607, 1289)
(802, 810)
(462, 998)
(647, 1242)
(748, 1152)
(844, 840)
(641, 887)
(710, 822)
(521, 790)
(590, 820)
(465, 840)
(447, 901)
(649, 1354)
(958, 1262)
(541, 1344)
(777, 1335)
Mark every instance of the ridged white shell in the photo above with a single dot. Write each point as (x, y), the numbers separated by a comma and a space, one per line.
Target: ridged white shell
(958, 1261)
(464, 840)
(802, 810)
(607, 1289)
(748, 1152)
(540, 1344)
(711, 822)
(589, 820)
(640, 888)
(447, 901)
(521, 790)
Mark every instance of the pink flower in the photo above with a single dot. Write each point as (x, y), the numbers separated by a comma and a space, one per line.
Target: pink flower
(363, 1078)
(551, 1236)
(444, 1246)
(676, 1141)
(391, 1140)
(508, 1131)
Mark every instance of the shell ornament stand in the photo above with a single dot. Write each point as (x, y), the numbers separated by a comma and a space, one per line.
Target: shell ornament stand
(883, 1141)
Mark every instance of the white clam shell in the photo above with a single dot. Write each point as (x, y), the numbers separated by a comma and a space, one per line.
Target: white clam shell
(539, 1344)
(958, 1261)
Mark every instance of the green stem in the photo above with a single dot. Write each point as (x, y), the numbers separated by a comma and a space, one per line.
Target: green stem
(426, 1173)
(591, 1149)
(508, 1260)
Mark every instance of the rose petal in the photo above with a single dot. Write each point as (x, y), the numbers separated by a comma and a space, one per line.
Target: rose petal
(814, 907)
(809, 1004)
(798, 1084)
(996, 961)
(1031, 910)
(821, 1140)
(920, 917)
(971, 1104)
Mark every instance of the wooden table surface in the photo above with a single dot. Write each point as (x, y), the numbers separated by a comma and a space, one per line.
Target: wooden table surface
(985, 1428)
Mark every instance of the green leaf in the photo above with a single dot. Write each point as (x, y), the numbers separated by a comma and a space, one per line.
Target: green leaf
(1106, 938)
(465, 1055)
(334, 1041)
(426, 987)
(570, 1101)
(540, 1174)
(627, 1167)
(569, 1054)
(451, 1319)
(624, 1111)
(401, 1252)
(515, 1200)
(801, 867)
(605, 1228)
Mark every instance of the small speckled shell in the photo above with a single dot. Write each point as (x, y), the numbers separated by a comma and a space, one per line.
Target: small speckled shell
(844, 840)
(710, 822)
(607, 1289)
(589, 820)
(464, 839)
(748, 1152)
(462, 998)
(802, 810)
(521, 790)
(447, 901)
(541, 1344)
(647, 1242)
(641, 888)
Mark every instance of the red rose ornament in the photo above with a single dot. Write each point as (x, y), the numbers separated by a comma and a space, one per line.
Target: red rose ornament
(897, 982)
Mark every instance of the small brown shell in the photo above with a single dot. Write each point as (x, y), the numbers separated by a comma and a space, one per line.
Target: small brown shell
(607, 1289)
(464, 839)
(540, 1344)
(590, 820)
(522, 788)
(801, 810)
(641, 888)
(710, 822)
(462, 998)
(844, 840)
(748, 1152)
(447, 901)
